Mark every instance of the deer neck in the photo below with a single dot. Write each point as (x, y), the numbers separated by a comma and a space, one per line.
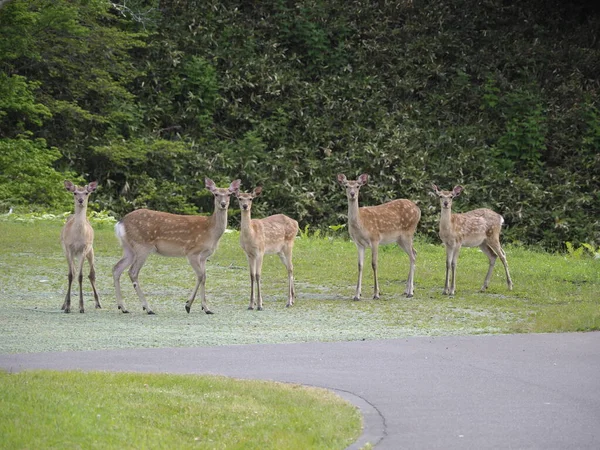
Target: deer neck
(245, 224)
(353, 214)
(219, 220)
(446, 219)
(80, 216)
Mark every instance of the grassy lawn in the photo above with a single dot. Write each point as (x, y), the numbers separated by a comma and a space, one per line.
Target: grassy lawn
(551, 293)
(70, 410)
(108, 411)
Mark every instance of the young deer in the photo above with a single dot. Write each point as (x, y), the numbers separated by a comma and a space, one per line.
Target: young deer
(273, 234)
(369, 226)
(478, 228)
(143, 232)
(77, 239)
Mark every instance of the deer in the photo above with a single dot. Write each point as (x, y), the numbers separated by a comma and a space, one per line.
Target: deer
(370, 226)
(273, 234)
(477, 228)
(143, 232)
(77, 240)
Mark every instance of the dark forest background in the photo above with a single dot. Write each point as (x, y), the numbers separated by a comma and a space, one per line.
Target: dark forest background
(149, 97)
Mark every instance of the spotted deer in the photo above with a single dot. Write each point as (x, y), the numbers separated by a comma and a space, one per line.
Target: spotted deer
(370, 226)
(273, 234)
(478, 228)
(77, 240)
(143, 232)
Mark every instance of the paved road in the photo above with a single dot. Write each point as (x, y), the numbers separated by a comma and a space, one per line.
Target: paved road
(538, 391)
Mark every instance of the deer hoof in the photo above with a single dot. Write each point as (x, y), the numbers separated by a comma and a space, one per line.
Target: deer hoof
(187, 308)
(250, 308)
(67, 310)
(208, 311)
(260, 308)
(356, 298)
(81, 311)
(409, 295)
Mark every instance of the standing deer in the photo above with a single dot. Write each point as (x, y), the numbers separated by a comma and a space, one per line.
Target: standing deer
(77, 239)
(369, 226)
(273, 234)
(478, 228)
(143, 232)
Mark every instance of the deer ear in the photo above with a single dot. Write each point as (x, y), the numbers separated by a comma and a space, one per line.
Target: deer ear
(257, 190)
(341, 178)
(69, 186)
(235, 186)
(435, 188)
(92, 186)
(457, 190)
(210, 184)
(363, 179)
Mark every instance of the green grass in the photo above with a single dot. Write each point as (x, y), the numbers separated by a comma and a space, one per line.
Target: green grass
(45, 409)
(71, 410)
(551, 293)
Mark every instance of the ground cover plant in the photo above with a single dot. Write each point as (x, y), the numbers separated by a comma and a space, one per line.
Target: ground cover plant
(84, 410)
(552, 292)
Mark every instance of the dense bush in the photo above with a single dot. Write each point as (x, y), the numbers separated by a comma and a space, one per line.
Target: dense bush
(500, 96)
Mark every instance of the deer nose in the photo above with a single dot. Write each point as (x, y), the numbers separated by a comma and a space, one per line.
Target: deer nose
(352, 194)
(245, 207)
(223, 204)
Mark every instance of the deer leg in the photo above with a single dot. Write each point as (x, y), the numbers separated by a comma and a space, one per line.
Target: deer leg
(500, 252)
(66, 307)
(374, 258)
(489, 252)
(407, 245)
(252, 266)
(80, 281)
(286, 259)
(448, 270)
(92, 277)
(124, 262)
(134, 272)
(259, 263)
(198, 262)
(453, 264)
(361, 259)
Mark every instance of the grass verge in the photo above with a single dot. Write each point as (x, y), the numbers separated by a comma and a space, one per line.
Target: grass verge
(45, 409)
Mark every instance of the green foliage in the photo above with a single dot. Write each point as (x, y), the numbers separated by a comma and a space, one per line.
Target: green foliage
(499, 97)
(27, 176)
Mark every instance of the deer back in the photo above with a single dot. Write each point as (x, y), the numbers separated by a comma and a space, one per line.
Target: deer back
(475, 227)
(386, 222)
(274, 232)
(170, 234)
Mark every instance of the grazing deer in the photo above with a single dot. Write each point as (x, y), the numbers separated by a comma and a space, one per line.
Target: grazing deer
(478, 228)
(273, 234)
(77, 239)
(143, 232)
(369, 226)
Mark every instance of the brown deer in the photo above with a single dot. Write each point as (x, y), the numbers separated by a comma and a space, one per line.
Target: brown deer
(143, 232)
(273, 234)
(370, 226)
(478, 228)
(77, 239)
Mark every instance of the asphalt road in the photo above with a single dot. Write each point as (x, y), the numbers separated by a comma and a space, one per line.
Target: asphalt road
(530, 391)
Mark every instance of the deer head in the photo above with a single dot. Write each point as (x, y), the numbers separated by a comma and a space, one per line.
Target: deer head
(81, 194)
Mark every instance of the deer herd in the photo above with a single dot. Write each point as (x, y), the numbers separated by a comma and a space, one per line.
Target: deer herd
(143, 232)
